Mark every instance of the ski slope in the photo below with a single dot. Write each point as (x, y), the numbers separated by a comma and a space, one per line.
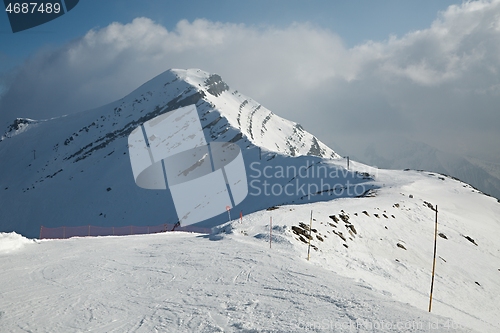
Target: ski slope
(186, 283)
(232, 281)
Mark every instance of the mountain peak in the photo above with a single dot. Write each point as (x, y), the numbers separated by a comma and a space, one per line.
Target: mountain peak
(226, 112)
(88, 152)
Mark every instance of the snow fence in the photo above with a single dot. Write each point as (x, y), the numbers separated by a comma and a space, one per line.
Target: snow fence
(91, 230)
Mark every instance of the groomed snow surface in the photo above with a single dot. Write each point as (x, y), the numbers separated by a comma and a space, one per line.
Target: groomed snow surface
(232, 281)
(179, 282)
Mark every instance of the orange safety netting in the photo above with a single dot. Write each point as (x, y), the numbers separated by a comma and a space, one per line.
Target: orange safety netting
(91, 230)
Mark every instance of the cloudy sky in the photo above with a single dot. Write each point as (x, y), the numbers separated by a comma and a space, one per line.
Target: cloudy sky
(351, 72)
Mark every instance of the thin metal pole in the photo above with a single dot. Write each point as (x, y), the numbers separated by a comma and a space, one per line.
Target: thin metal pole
(270, 231)
(434, 260)
(310, 230)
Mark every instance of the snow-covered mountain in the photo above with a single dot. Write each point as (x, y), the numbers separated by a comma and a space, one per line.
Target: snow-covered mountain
(75, 170)
(372, 232)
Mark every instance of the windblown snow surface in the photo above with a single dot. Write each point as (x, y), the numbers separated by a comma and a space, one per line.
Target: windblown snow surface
(369, 270)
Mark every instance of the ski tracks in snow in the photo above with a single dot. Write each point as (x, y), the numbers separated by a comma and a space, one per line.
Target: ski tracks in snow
(180, 282)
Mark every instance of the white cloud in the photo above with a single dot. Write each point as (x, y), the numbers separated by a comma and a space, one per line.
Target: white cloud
(439, 84)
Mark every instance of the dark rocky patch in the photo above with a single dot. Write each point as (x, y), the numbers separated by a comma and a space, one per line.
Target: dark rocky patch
(55, 173)
(315, 149)
(304, 226)
(401, 246)
(471, 240)
(215, 85)
(301, 233)
(264, 122)
(442, 235)
(344, 217)
(338, 233)
(428, 204)
(351, 228)
(17, 124)
(334, 218)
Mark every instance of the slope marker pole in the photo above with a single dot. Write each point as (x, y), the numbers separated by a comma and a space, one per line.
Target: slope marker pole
(434, 260)
(310, 230)
(270, 231)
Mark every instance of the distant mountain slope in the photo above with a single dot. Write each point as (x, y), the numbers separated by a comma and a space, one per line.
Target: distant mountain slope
(404, 153)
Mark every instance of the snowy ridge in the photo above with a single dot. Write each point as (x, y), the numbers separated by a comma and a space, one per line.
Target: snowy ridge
(385, 243)
(252, 119)
(17, 127)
